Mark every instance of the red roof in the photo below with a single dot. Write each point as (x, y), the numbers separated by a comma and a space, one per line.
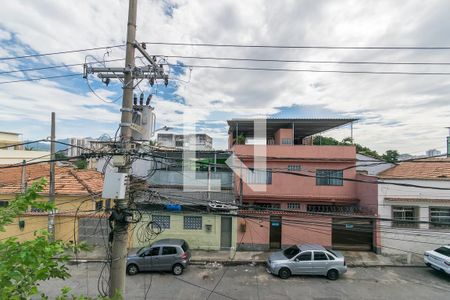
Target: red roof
(68, 181)
(432, 168)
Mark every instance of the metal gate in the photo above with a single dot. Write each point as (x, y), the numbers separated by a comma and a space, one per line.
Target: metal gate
(352, 234)
(225, 232)
(275, 232)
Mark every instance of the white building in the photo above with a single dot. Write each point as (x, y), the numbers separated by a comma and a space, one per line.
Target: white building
(79, 146)
(415, 219)
(199, 141)
(11, 153)
(433, 152)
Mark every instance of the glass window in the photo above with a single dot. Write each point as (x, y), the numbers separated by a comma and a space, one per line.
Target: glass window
(443, 250)
(293, 205)
(293, 167)
(404, 216)
(330, 257)
(185, 246)
(286, 141)
(439, 217)
(162, 221)
(305, 256)
(291, 252)
(153, 251)
(98, 205)
(267, 205)
(329, 177)
(319, 255)
(192, 223)
(169, 250)
(259, 176)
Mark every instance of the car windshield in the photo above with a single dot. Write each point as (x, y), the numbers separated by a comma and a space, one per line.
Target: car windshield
(443, 250)
(140, 250)
(291, 252)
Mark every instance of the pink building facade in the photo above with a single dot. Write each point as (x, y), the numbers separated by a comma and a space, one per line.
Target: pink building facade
(309, 195)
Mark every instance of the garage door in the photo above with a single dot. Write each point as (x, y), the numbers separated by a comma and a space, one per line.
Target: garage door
(352, 234)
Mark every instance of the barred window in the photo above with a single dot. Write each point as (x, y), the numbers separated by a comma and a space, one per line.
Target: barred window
(293, 205)
(98, 205)
(259, 176)
(192, 223)
(162, 221)
(267, 205)
(286, 141)
(327, 208)
(404, 216)
(329, 177)
(293, 167)
(440, 217)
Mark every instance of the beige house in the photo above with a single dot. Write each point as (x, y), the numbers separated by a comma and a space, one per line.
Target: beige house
(10, 154)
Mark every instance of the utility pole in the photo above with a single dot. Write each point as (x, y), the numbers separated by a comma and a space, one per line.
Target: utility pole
(120, 216)
(23, 178)
(51, 194)
(120, 229)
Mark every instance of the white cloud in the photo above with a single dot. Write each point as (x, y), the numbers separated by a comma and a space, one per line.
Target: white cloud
(393, 108)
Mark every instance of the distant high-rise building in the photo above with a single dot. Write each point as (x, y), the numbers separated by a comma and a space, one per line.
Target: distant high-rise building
(433, 152)
(199, 141)
(79, 146)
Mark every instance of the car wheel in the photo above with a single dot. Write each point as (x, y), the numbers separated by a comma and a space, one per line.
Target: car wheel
(333, 274)
(132, 269)
(284, 273)
(177, 269)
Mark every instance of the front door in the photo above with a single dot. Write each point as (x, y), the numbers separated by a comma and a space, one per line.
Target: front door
(225, 232)
(150, 254)
(275, 232)
(303, 263)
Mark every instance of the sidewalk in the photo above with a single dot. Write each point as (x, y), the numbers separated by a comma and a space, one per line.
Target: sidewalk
(202, 257)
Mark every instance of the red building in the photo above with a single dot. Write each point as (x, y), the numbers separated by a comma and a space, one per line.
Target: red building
(305, 194)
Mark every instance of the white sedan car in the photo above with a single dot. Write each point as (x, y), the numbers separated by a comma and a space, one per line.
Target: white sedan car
(438, 259)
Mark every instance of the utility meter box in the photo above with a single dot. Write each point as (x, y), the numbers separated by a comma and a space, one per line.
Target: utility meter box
(114, 186)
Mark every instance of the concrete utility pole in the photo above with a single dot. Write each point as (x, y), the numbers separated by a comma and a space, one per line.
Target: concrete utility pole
(151, 72)
(51, 194)
(120, 229)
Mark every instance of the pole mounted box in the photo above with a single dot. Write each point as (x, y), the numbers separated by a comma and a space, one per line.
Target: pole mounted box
(114, 186)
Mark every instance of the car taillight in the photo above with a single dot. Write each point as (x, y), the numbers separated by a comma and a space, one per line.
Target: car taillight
(184, 255)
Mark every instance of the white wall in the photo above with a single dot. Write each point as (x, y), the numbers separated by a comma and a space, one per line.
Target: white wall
(8, 157)
(417, 240)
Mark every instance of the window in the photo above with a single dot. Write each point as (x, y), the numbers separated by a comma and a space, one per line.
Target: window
(162, 221)
(403, 214)
(291, 252)
(329, 177)
(330, 208)
(108, 204)
(153, 252)
(267, 205)
(319, 255)
(305, 256)
(259, 176)
(439, 217)
(293, 205)
(286, 141)
(293, 167)
(443, 250)
(330, 257)
(98, 205)
(169, 250)
(3, 203)
(192, 223)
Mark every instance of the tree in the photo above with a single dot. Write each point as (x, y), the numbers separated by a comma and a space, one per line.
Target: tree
(391, 156)
(81, 164)
(24, 264)
(60, 156)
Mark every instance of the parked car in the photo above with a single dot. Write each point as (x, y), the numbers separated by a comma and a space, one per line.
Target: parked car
(307, 259)
(163, 255)
(438, 259)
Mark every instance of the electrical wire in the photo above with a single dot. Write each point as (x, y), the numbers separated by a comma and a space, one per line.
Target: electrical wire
(58, 52)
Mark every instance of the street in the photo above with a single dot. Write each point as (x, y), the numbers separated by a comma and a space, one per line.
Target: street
(214, 281)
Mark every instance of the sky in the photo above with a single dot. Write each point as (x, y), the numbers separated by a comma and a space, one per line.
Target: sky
(404, 112)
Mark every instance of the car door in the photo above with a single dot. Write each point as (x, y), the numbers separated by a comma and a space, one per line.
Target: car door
(168, 257)
(302, 263)
(320, 263)
(150, 263)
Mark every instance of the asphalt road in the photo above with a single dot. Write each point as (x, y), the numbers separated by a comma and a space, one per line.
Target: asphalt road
(252, 282)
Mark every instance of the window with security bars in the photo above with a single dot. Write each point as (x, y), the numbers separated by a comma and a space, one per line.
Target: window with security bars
(329, 177)
(293, 167)
(162, 221)
(327, 208)
(286, 141)
(192, 223)
(440, 217)
(293, 205)
(267, 205)
(259, 176)
(404, 216)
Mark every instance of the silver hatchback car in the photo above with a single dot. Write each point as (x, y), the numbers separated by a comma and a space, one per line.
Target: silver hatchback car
(163, 255)
(307, 259)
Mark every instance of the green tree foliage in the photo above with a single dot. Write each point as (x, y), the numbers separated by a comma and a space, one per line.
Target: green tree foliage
(24, 264)
(81, 164)
(60, 156)
(389, 156)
